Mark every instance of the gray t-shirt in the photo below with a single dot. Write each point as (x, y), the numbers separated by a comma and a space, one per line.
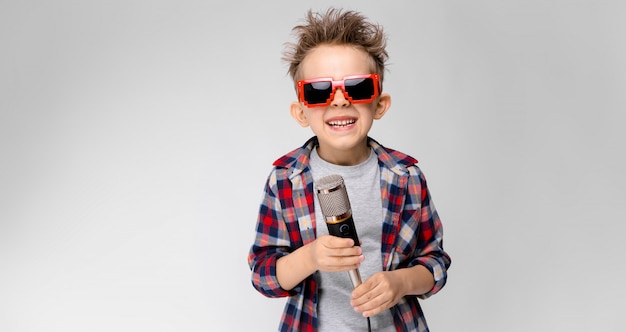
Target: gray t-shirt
(362, 183)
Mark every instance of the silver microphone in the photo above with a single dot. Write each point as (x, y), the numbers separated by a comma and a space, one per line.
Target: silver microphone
(333, 198)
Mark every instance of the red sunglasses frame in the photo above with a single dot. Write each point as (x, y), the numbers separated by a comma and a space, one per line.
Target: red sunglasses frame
(338, 84)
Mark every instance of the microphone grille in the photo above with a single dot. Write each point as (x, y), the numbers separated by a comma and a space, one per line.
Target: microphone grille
(332, 194)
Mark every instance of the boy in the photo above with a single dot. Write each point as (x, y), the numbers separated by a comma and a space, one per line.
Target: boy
(337, 66)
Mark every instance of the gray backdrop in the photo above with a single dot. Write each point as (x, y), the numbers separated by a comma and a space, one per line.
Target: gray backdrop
(136, 137)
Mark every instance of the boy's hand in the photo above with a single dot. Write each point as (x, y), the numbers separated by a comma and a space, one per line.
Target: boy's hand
(378, 293)
(334, 254)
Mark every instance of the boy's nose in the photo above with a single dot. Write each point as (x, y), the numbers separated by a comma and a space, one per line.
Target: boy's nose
(339, 100)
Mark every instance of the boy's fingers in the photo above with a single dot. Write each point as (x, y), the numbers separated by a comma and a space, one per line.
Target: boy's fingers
(339, 242)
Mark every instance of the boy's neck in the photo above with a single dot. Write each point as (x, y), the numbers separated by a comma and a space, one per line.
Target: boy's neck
(345, 157)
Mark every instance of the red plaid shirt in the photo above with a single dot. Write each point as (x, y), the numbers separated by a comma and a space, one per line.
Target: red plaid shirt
(412, 233)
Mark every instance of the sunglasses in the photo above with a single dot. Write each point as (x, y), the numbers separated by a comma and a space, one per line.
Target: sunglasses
(358, 89)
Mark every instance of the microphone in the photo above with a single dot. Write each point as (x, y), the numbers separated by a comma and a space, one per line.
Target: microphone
(333, 198)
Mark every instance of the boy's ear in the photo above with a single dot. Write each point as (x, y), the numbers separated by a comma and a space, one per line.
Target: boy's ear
(384, 102)
(297, 112)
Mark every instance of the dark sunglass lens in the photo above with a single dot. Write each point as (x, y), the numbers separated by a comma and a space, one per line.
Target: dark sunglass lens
(317, 92)
(360, 88)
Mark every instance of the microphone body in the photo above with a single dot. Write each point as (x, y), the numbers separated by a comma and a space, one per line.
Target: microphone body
(335, 205)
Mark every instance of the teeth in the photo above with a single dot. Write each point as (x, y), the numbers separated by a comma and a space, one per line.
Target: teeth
(341, 123)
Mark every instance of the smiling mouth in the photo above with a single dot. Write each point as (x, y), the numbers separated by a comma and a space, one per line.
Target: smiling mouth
(342, 123)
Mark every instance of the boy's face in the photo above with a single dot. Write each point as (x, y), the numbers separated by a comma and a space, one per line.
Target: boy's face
(341, 127)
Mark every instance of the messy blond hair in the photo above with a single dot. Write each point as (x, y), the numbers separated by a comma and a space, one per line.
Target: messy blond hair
(336, 27)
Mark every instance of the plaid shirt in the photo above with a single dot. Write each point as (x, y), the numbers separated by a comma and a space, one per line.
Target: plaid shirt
(412, 233)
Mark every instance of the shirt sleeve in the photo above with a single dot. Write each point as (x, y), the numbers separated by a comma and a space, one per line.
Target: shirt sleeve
(429, 250)
(271, 242)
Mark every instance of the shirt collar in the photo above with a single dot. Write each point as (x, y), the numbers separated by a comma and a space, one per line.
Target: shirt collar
(298, 160)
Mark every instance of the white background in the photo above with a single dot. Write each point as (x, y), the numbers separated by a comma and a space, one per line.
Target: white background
(135, 138)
